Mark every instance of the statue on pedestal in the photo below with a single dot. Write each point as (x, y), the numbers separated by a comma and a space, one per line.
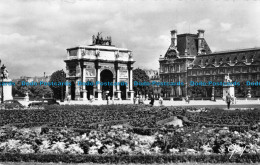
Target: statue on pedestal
(228, 88)
(4, 72)
(6, 93)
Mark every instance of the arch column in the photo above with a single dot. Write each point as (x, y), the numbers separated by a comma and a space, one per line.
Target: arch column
(67, 88)
(84, 86)
(118, 86)
(131, 91)
(98, 84)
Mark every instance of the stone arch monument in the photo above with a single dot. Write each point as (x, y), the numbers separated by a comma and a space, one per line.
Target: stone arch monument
(98, 62)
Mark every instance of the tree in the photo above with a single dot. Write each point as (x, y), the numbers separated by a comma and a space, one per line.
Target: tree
(58, 77)
(140, 76)
(34, 91)
(39, 91)
(19, 89)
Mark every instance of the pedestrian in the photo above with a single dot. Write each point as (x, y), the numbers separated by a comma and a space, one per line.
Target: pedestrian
(152, 100)
(228, 100)
(91, 98)
(134, 100)
(68, 98)
(108, 100)
(161, 101)
(187, 99)
(141, 100)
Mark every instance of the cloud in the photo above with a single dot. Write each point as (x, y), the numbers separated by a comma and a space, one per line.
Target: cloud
(225, 26)
(34, 35)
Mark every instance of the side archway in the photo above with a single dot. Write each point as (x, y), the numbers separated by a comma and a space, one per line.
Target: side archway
(106, 77)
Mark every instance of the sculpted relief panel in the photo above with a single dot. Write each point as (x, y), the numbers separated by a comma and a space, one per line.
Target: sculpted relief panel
(88, 53)
(123, 71)
(90, 72)
(107, 55)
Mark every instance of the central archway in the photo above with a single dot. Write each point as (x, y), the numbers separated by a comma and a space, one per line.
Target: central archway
(106, 76)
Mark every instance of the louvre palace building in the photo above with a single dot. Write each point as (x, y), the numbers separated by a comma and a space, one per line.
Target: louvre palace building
(190, 60)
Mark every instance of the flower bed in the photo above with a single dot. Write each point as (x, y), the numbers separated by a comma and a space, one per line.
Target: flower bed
(80, 116)
(123, 142)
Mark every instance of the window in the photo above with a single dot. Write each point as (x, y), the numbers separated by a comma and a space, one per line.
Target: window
(235, 60)
(213, 61)
(251, 58)
(206, 62)
(244, 59)
(220, 61)
(228, 60)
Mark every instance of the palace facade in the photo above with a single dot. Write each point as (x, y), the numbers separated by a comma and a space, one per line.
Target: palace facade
(98, 70)
(189, 58)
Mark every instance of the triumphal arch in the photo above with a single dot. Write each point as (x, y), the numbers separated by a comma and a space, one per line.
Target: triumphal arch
(99, 70)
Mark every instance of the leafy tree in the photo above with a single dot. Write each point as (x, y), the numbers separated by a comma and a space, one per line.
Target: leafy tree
(39, 91)
(58, 90)
(140, 76)
(34, 91)
(19, 89)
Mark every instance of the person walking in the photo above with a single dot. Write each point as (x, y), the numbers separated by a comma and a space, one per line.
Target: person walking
(152, 100)
(228, 100)
(69, 98)
(141, 100)
(134, 99)
(161, 101)
(187, 99)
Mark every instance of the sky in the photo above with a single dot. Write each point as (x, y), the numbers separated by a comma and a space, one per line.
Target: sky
(34, 34)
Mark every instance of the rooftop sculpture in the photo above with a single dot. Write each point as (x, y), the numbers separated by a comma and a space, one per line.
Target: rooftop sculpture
(98, 40)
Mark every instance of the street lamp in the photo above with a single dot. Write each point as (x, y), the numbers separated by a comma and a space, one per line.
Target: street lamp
(62, 87)
(2, 77)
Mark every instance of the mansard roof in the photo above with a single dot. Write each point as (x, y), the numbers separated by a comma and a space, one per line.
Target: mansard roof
(187, 44)
(245, 56)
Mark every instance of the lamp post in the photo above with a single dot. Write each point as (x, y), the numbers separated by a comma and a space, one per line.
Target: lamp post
(63, 75)
(2, 77)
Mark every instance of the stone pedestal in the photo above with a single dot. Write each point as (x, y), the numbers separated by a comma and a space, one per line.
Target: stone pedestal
(228, 89)
(131, 93)
(118, 95)
(7, 87)
(85, 93)
(99, 95)
(26, 98)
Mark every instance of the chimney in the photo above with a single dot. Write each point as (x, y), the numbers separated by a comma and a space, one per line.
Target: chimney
(200, 40)
(174, 38)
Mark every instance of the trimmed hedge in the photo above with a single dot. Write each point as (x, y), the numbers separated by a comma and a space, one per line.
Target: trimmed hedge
(214, 158)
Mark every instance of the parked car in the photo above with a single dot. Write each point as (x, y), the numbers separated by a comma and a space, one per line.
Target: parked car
(12, 104)
(42, 103)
